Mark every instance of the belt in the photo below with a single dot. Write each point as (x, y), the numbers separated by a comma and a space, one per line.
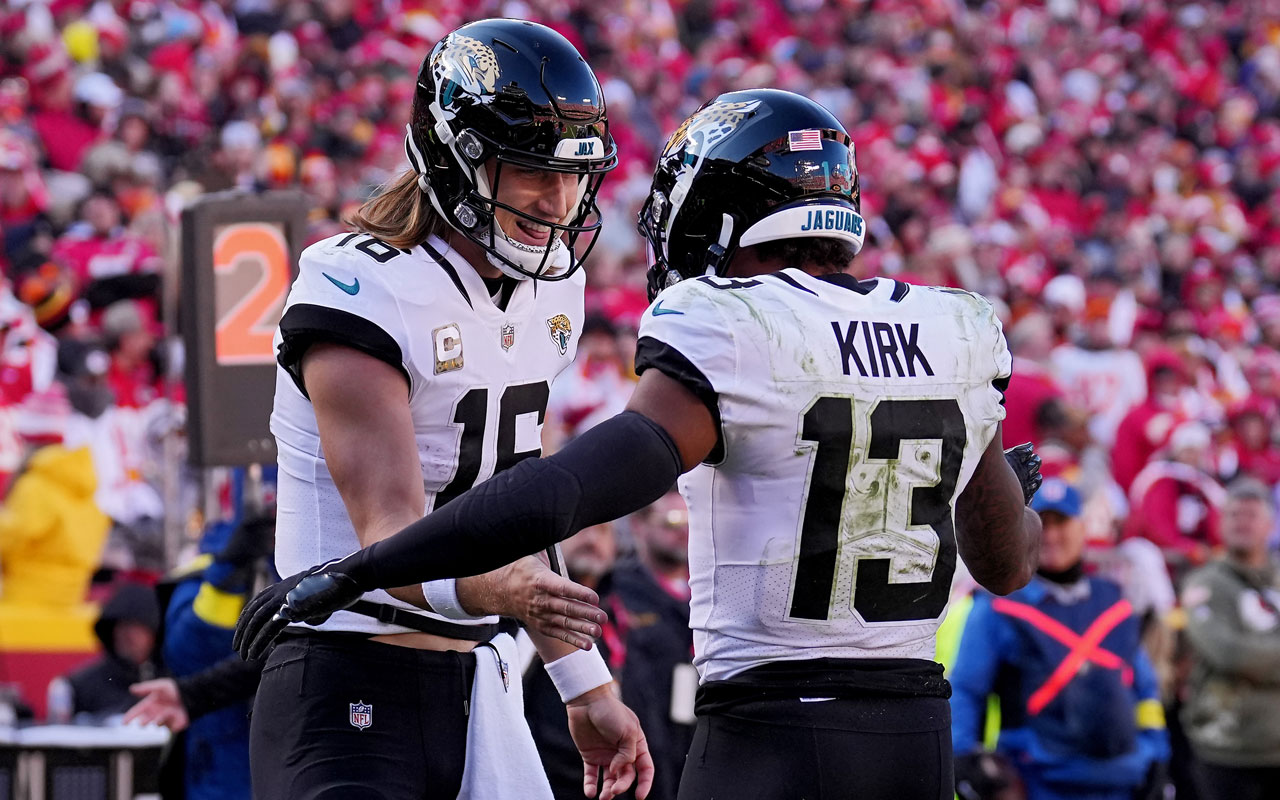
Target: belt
(394, 615)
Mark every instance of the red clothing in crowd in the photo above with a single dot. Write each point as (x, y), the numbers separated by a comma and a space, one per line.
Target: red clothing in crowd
(1142, 432)
(1263, 464)
(1178, 507)
(1029, 389)
(92, 258)
(133, 388)
(65, 137)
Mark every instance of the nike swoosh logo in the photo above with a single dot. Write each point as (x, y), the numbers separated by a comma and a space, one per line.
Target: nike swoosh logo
(658, 310)
(349, 288)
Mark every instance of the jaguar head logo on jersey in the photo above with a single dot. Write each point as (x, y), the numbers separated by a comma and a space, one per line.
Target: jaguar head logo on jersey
(561, 331)
(447, 343)
(468, 63)
(361, 714)
(508, 336)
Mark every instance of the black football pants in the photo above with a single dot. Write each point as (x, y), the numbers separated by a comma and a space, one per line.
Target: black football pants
(338, 717)
(844, 749)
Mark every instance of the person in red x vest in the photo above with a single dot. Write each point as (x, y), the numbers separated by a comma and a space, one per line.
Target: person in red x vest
(1080, 715)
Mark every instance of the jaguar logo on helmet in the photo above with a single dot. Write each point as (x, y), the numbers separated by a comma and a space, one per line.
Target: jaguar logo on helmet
(709, 126)
(469, 63)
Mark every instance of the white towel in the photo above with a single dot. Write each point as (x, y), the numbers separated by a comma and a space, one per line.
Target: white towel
(502, 760)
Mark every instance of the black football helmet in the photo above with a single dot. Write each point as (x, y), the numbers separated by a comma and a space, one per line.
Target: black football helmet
(519, 93)
(748, 167)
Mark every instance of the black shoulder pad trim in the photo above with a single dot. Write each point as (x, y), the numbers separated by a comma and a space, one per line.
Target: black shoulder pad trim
(787, 279)
(305, 324)
(439, 258)
(671, 362)
(847, 281)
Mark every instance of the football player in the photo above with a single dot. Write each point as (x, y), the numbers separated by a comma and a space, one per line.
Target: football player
(840, 445)
(415, 360)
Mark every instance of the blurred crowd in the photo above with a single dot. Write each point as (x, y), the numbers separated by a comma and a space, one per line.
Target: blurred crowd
(1107, 172)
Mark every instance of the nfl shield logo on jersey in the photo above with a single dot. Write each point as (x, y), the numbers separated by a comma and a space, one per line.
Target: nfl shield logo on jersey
(508, 336)
(561, 330)
(361, 715)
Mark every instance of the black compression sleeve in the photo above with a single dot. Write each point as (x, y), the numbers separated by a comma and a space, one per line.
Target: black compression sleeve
(617, 467)
(229, 681)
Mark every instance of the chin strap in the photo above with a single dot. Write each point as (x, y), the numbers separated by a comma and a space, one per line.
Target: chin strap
(554, 262)
(717, 253)
(416, 160)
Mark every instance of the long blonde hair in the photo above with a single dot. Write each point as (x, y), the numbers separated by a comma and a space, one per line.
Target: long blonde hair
(401, 215)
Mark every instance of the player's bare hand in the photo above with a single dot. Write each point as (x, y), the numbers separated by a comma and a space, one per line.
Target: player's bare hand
(610, 740)
(160, 705)
(529, 591)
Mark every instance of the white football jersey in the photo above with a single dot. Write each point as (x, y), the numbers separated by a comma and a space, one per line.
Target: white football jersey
(478, 380)
(851, 415)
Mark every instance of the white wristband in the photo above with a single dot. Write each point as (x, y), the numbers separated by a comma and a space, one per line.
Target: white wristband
(578, 673)
(442, 596)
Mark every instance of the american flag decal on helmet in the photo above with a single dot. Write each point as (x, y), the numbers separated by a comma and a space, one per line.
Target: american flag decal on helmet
(805, 140)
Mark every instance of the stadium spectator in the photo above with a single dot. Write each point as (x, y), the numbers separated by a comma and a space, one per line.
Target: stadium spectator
(1080, 713)
(63, 106)
(1232, 712)
(109, 263)
(650, 593)
(133, 374)
(1033, 394)
(1175, 501)
(24, 199)
(127, 630)
(51, 531)
(1148, 425)
(1096, 375)
(1251, 449)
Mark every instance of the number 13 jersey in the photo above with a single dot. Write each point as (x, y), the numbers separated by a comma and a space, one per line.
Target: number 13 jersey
(477, 379)
(851, 415)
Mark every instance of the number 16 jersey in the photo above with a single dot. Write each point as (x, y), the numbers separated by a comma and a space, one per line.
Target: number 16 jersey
(851, 415)
(477, 378)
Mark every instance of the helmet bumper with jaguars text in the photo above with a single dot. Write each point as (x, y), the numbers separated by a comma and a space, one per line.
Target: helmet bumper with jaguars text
(749, 167)
(516, 93)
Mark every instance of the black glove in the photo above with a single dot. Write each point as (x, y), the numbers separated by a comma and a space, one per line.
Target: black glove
(1153, 787)
(253, 539)
(1026, 465)
(979, 776)
(310, 596)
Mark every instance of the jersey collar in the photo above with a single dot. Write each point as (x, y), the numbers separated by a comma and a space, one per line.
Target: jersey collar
(473, 288)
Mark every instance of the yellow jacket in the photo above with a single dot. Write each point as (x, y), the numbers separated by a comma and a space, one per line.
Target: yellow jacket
(51, 531)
